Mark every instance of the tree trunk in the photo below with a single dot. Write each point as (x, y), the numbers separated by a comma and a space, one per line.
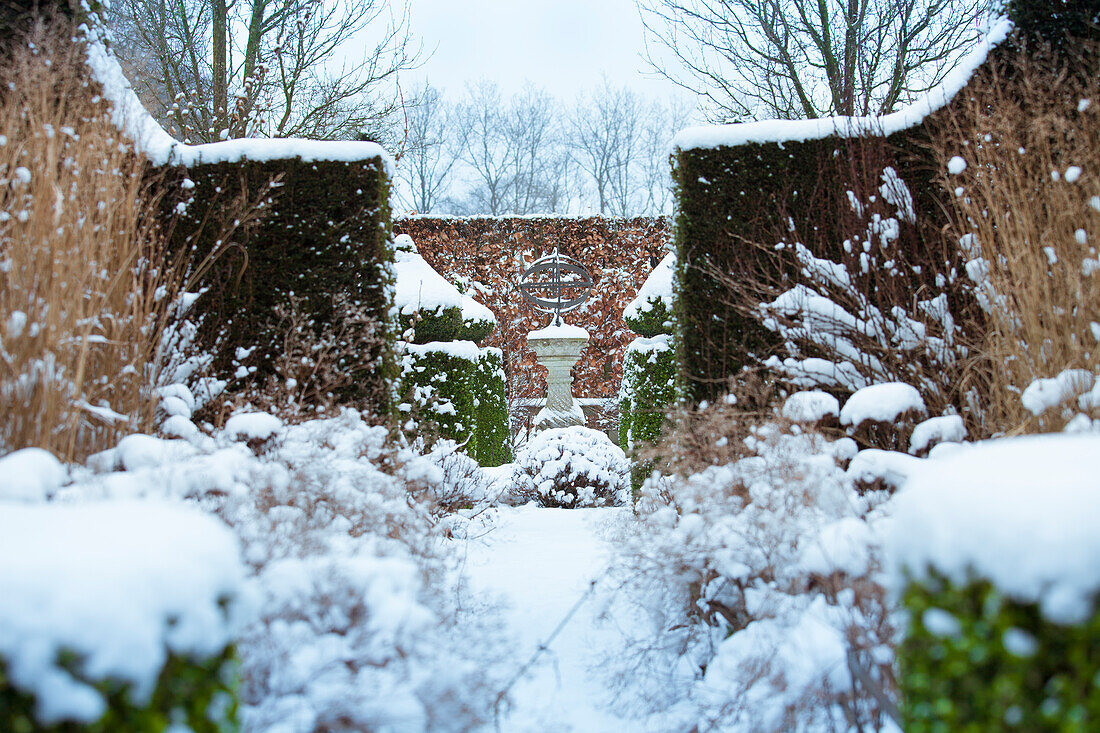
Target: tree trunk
(220, 82)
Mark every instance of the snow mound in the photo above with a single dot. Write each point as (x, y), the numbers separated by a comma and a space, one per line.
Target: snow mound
(30, 474)
(882, 468)
(420, 288)
(561, 331)
(881, 403)
(809, 407)
(1043, 394)
(1019, 512)
(936, 430)
(252, 426)
(657, 288)
(572, 467)
(120, 584)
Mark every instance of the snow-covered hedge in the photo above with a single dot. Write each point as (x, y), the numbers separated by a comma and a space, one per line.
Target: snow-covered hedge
(571, 467)
(432, 307)
(648, 389)
(117, 615)
(458, 390)
(995, 550)
(650, 313)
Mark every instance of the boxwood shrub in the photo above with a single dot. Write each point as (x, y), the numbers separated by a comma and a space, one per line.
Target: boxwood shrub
(458, 391)
(322, 238)
(975, 660)
(198, 694)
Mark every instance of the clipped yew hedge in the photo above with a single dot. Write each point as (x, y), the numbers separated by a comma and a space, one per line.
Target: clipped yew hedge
(459, 390)
(321, 245)
(648, 390)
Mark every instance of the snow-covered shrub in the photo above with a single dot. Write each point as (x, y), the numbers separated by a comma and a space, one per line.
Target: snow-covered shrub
(1022, 157)
(994, 553)
(883, 415)
(361, 621)
(751, 571)
(117, 615)
(650, 313)
(572, 468)
(431, 307)
(647, 391)
(456, 390)
(84, 278)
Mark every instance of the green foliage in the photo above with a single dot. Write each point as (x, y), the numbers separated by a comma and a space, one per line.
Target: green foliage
(445, 324)
(323, 229)
(494, 444)
(653, 319)
(648, 389)
(973, 680)
(459, 391)
(201, 694)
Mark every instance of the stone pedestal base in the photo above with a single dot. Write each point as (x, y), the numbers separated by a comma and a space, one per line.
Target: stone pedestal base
(558, 349)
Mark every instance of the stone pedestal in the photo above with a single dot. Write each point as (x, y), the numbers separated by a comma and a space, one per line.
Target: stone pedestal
(558, 348)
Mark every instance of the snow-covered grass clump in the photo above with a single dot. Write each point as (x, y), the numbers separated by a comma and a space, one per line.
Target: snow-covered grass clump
(360, 619)
(100, 595)
(572, 467)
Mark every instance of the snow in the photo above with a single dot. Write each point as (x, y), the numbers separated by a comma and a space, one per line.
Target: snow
(1043, 394)
(657, 288)
(956, 165)
(1019, 512)
(542, 563)
(467, 350)
(30, 474)
(935, 430)
(811, 406)
(780, 131)
(121, 583)
(572, 467)
(130, 116)
(890, 467)
(253, 426)
(419, 287)
(881, 403)
(562, 331)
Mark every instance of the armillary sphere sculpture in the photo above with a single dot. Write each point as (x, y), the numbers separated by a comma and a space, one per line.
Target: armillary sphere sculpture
(555, 284)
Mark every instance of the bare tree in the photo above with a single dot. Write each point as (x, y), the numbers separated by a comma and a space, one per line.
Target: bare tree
(433, 142)
(661, 122)
(604, 129)
(808, 58)
(224, 69)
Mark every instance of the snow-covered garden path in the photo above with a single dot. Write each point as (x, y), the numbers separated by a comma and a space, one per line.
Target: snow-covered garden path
(540, 562)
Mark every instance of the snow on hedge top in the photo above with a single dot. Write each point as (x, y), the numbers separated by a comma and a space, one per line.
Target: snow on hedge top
(656, 288)
(779, 131)
(118, 583)
(419, 287)
(882, 403)
(130, 116)
(1019, 512)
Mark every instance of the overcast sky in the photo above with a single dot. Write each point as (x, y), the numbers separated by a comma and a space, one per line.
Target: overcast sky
(562, 45)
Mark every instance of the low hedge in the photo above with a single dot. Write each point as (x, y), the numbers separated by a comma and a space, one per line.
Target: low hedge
(1005, 667)
(648, 389)
(445, 324)
(319, 242)
(198, 694)
(459, 390)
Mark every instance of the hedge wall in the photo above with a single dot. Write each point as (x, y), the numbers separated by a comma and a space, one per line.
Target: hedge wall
(1003, 668)
(736, 202)
(319, 251)
(648, 389)
(459, 390)
(487, 254)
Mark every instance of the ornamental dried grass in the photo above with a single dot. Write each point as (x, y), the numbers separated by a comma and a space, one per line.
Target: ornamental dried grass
(1028, 209)
(84, 281)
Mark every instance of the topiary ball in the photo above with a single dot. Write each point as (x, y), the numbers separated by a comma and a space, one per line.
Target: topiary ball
(572, 468)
